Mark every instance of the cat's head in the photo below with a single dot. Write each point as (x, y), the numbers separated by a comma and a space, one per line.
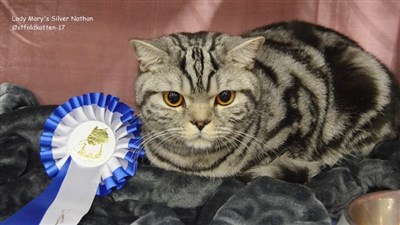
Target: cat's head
(195, 91)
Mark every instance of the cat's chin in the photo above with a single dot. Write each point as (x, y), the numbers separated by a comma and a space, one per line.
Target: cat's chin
(199, 143)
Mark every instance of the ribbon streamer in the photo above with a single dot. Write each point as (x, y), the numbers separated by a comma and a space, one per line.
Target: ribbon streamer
(90, 145)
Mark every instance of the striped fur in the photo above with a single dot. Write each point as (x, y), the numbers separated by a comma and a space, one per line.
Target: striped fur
(306, 96)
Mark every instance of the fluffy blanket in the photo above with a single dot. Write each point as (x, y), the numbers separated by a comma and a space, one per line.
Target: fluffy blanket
(155, 196)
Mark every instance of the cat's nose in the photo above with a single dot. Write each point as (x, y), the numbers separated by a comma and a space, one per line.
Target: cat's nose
(200, 124)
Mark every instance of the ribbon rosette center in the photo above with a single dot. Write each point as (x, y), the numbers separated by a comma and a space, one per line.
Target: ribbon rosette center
(91, 143)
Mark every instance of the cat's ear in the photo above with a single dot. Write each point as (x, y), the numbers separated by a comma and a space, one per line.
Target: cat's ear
(149, 57)
(246, 52)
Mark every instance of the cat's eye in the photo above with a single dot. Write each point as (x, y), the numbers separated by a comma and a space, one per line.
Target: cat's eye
(225, 98)
(172, 98)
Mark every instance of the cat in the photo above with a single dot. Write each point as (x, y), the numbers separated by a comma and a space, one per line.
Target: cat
(285, 100)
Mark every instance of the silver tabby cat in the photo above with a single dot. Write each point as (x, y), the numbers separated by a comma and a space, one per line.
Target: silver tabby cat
(283, 100)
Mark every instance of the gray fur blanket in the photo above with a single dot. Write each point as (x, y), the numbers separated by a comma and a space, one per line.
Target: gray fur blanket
(155, 196)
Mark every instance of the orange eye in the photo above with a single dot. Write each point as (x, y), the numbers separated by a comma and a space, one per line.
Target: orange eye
(173, 99)
(225, 98)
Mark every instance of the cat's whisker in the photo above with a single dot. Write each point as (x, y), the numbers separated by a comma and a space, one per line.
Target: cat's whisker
(261, 145)
(155, 135)
(233, 140)
(252, 137)
(166, 137)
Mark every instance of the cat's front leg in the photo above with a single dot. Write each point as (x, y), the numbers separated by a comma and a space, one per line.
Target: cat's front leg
(286, 168)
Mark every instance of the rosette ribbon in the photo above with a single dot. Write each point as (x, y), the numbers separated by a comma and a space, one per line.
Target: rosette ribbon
(90, 145)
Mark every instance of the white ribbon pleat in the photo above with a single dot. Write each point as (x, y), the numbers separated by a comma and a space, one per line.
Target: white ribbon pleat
(73, 201)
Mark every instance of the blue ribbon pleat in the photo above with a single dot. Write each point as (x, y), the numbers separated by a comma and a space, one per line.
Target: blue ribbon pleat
(135, 143)
(113, 104)
(123, 109)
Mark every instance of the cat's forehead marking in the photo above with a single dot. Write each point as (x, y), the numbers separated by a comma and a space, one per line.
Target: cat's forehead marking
(198, 67)
(197, 59)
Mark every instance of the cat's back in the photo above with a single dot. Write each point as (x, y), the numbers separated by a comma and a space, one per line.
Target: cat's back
(300, 33)
(349, 97)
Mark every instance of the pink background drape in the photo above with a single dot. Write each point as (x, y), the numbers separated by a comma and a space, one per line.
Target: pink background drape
(96, 56)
